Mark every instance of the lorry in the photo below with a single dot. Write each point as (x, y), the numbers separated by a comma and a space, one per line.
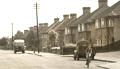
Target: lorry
(80, 51)
(19, 45)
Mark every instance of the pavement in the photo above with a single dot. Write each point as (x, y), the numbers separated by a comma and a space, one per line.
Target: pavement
(111, 57)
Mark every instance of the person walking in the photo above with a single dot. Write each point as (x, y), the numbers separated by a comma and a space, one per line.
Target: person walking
(88, 55)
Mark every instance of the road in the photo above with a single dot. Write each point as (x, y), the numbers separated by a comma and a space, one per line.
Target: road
(9, 60)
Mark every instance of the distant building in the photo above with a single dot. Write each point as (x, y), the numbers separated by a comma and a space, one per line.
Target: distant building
(43, 36)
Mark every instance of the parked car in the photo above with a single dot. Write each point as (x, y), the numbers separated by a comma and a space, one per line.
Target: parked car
(19, 45)
(80, 51)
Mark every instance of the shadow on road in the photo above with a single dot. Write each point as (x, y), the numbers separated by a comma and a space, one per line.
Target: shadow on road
(34, 54)
(99, 60)
(104, 60)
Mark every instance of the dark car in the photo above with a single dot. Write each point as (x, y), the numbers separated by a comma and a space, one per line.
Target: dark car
(80, 51)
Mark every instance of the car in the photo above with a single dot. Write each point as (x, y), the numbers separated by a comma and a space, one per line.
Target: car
(19, 45)
(80, 51)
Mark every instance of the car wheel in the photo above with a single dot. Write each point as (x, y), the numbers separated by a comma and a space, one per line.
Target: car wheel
(23, 51)
(74, 58)
(92, 57)
(14, 51)
(77, 57)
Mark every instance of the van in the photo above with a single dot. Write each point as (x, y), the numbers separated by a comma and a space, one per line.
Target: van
(19, 45)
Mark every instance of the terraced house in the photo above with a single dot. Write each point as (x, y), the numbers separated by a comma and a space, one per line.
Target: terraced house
(108, 27)
(100, 27)
(62, 32)
(52, 35)
(84, 26)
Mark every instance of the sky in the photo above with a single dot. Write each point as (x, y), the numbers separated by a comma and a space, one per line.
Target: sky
(22, 12)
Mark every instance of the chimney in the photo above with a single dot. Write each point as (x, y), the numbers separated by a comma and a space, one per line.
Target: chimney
(43, 25)
(66, 16)
(73, 15)
(46, 24)
(102, 3)
(56, 20)
(31, 28)
(35, 28)
(26, 32)
(86, 10)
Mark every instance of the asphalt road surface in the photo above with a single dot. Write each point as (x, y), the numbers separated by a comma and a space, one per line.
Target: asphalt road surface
(9, 60)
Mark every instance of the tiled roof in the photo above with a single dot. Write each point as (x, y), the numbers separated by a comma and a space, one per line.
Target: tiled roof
(63, 24)
(81, 19)
(71, 23)
(88, 18)
(96, 13)
(111, 11)
(53, 26)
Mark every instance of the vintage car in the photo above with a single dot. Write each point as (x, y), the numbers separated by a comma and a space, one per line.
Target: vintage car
(19, 45)
(80, 51)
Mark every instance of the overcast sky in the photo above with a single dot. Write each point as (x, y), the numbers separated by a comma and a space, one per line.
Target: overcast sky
(22, 12)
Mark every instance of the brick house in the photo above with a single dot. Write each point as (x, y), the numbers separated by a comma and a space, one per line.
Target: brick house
(108, 27)
(70, 32)
(86, 27)
(63, 37)
(52, 35)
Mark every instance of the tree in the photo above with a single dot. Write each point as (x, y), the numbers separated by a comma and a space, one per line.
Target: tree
(3, 41)
(30, 39)
(19, 35)
(52, 38)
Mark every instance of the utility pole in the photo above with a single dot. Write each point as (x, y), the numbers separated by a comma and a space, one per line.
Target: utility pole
(37, 26)
(12, 36)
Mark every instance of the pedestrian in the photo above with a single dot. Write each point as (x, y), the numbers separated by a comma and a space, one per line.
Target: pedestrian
(88, 55)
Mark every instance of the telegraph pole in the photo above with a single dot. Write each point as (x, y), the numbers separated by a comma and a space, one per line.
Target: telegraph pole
(37, 26)
(12, 35)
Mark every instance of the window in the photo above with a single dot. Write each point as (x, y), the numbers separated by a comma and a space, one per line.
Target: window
(65, 30)
(102, 22)
(97, 24)
(110, 24)
(98, 42)
(68, 30)
(83, 27)
(79, 28)
(88, 27)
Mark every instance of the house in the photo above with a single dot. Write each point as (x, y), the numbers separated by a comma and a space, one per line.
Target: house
(83, 28)
(108, 27)
(62, 31)
(73, 26)
(52, 35)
